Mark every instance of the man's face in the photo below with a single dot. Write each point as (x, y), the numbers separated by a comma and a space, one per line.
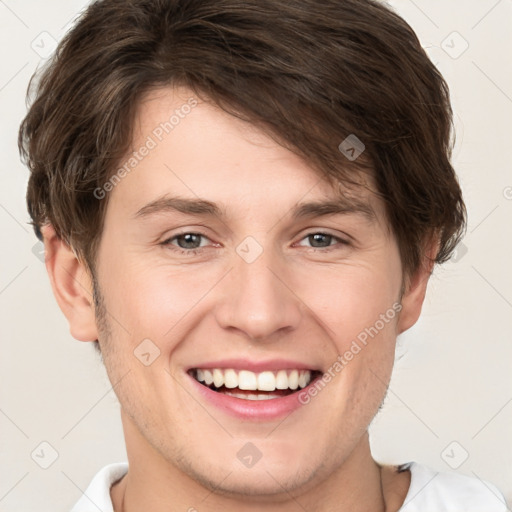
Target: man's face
(252, 291)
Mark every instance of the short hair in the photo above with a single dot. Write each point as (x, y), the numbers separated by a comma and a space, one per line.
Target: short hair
(308, 73)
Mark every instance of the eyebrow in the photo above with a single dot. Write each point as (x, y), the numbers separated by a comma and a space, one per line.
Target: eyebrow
(182, 205)
(203, 207)
(334, 207)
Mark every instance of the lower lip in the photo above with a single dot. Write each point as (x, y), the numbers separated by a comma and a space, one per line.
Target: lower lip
(253, 409)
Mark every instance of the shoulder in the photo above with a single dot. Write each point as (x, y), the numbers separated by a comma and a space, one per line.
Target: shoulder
(96, 497)
(439, 491)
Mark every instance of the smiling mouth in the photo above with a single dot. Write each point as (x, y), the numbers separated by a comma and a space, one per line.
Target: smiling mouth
(247, 385)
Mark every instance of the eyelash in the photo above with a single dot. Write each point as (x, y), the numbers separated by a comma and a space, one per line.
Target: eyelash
(194, 252)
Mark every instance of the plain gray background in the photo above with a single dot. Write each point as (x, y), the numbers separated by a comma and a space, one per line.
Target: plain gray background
(449, 403)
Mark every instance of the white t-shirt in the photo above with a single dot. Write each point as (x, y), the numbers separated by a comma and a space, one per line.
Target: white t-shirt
(430, 491)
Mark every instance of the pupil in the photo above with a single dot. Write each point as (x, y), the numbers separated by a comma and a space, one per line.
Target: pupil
(317, 237)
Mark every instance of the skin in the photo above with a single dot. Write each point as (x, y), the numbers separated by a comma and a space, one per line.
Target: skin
(289, 303)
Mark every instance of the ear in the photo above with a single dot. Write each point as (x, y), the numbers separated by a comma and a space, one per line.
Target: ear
(416, 288)
(72, 286)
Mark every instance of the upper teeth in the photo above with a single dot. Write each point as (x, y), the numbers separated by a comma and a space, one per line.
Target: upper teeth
(264, 381)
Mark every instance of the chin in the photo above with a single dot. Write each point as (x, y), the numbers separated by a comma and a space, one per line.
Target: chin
(268, 484)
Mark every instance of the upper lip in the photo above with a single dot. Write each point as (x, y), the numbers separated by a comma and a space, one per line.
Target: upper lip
(254, 366)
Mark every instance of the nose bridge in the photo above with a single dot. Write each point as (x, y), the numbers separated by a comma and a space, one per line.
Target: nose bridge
(258, 302)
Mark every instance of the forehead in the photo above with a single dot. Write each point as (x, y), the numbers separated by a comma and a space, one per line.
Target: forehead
(193, 149)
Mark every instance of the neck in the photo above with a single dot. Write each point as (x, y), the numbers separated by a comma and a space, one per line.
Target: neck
(156, 484)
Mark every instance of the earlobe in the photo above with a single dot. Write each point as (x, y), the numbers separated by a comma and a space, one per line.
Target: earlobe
(71, 284)
(415, 290)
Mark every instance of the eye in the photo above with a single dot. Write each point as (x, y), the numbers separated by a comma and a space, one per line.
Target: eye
(187, 243)
(190, 243)
(320, 240)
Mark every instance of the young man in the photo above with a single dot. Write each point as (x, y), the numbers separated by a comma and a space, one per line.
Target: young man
(241, 205)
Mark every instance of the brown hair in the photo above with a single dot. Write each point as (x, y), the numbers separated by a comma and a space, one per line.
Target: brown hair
(310, 73)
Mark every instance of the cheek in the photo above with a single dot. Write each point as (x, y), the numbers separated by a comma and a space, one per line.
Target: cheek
(150, 300)
(352, 300)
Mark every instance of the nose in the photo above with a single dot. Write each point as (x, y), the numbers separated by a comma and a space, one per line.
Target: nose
(259, 299)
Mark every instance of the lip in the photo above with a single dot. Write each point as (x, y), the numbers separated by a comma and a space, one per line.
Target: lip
(253, 410)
